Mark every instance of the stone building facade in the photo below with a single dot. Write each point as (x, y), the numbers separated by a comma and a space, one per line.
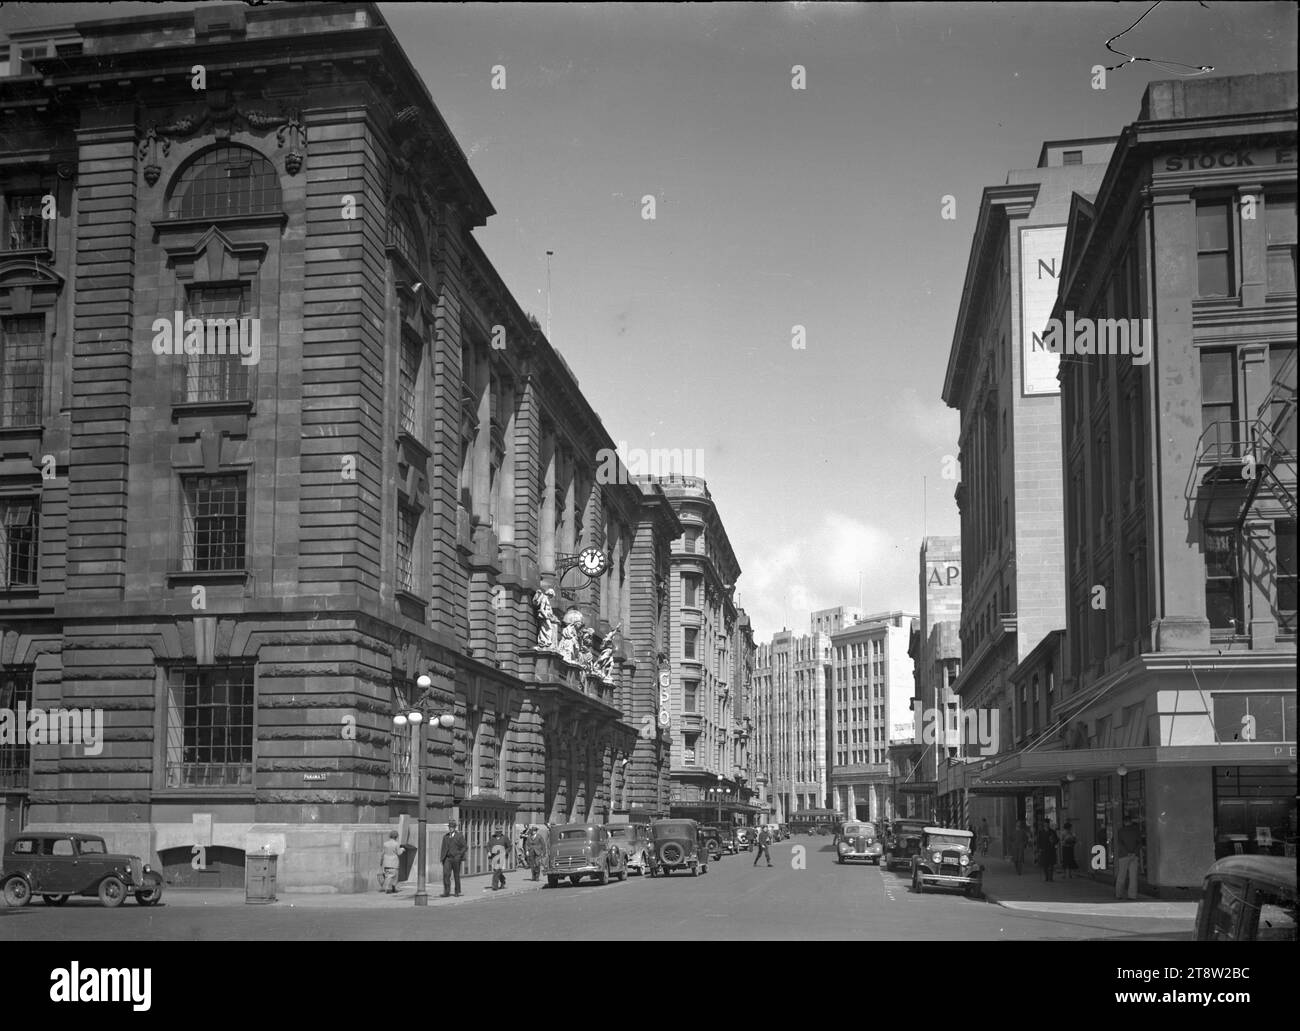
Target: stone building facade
(243, 556)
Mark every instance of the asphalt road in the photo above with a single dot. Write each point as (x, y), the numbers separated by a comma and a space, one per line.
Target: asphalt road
(734, 900)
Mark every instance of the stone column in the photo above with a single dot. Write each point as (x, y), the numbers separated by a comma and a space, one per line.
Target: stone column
(546, 531)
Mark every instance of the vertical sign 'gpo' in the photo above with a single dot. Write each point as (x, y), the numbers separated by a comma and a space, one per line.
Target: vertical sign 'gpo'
(1041, 250)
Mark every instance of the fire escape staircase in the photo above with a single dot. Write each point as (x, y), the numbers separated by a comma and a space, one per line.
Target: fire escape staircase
(1234, 453)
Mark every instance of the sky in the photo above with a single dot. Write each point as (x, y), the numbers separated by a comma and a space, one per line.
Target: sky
(777, 208)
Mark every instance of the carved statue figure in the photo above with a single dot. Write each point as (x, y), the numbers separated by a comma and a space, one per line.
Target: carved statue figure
(547, 625)
(569, 642)
(605, 663)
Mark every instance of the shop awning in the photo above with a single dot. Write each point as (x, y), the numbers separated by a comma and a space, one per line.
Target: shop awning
(1033, 769)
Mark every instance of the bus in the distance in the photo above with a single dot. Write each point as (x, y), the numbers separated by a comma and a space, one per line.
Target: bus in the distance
(815, 821)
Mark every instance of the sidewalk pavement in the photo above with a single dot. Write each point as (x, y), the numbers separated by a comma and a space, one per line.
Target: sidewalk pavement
(1080, 895)
(473, 889)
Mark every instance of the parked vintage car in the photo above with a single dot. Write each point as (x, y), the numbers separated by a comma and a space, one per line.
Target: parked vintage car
(581, 850)
(903, 842)
(58, 865)
(714, 836)
(859, 840)
(634, 840)
(1248, 898)
(745, 839)
(946, 860)
(677, 846)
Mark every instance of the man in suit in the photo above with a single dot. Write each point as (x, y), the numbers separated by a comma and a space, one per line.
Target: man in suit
(764, 845)
(451, 855)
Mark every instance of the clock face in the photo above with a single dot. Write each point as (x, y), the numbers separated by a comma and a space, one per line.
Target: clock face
(592, 561)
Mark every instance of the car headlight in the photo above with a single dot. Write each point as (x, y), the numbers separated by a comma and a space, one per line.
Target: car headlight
(965, 860)
(938, 857)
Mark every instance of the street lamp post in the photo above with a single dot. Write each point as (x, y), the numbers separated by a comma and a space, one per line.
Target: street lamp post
(415, 715)
(719, 799)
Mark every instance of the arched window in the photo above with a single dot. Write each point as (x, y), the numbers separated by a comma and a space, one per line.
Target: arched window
(226, 180)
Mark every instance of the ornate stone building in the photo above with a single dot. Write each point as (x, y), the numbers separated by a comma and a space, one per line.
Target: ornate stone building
(275, 442)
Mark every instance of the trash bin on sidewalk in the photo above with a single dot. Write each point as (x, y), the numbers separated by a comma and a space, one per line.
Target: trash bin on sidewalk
(259, 878)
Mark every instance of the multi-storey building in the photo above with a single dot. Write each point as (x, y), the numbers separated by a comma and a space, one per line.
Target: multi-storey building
(742, 718)
(702, 585)
(275, 443)
(869, 707)
(1002, 378)
(792, 675)
(1177, 705)
(828, 621)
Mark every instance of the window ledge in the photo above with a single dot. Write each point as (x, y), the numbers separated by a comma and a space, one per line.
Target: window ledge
(181, 409)
(207, 576)
(35, 429)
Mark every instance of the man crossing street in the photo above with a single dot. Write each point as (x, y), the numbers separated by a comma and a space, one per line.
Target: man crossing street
(764, 846)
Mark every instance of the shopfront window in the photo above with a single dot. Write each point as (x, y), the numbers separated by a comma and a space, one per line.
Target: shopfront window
(1101, 818)
(1255, 811)
(1239, 716)
(1133, 808)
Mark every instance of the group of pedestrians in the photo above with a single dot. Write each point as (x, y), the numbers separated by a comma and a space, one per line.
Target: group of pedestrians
(452, 853)
(1050, 848)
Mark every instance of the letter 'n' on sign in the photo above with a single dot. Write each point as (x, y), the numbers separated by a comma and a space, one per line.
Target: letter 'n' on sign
(1050, 269)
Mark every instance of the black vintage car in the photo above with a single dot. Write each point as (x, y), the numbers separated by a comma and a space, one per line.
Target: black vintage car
(677, 846)
(903, 842)
(58, 865)
(946, 860)
(715, 840)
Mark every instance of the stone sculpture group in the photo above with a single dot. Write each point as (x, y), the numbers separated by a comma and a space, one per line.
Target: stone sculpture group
(572, 639)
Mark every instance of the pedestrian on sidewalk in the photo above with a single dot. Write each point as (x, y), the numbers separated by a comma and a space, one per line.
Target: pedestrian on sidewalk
(1068, 863)
(1019, 842)
(763, 845)
(1127, 843)
(498, 857)
(451, 855)
(1046, 845)
(391, 861)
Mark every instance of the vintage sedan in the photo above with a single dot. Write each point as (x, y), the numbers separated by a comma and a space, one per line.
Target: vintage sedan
(859, 840)
(58, 865)
(714, 840)
(1248, 898)
(744, 839)
(581, 850)
(634, 840)
(678, 845)
(946, 860)
(903, 842)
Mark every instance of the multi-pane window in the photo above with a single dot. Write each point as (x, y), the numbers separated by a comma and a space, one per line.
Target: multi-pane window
(22, 345)
(690, 695)
(688, 749)
(215, 523)
(1280, 218)
(690, 636)
(1222, 578)
(1281, 413)
(227, 180)
(407, 521)
(218, 373)
(1219, 397)
(1214, 248)
(692, 538)
(408, 381)
(403, 235)
(401, 749)
(20, 520)
(210, 727)
(1072, 157)
(15, 752)
(24, 228)
(690, 591)
(1284, 579)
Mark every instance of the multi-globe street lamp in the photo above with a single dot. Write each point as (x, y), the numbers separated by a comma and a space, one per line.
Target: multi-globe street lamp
(415, 716)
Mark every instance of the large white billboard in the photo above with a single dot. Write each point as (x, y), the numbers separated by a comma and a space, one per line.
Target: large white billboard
(1041, 250)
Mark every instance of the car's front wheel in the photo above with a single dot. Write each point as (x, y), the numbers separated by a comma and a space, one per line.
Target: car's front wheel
(112, 892)
(622, 874)
(575, 879)
(917, 885)
(17, 892)
(552, 882)
(55, 900)
(150, 895)
(603, 877)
